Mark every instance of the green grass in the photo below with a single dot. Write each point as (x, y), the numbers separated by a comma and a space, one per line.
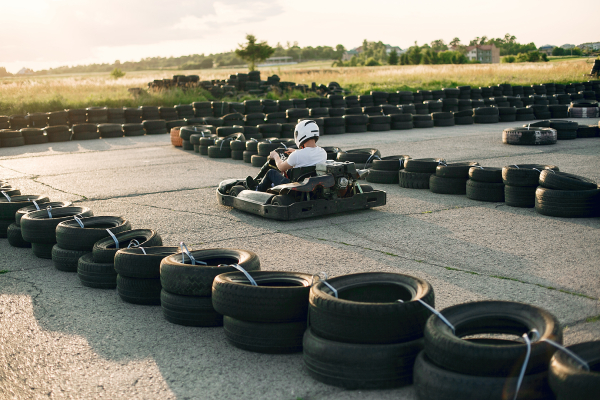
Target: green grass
(4, 271)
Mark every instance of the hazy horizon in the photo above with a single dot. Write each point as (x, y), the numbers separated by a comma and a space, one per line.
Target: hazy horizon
(50, 33)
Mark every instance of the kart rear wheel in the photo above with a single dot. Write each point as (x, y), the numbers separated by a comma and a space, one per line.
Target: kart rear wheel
(282, 200)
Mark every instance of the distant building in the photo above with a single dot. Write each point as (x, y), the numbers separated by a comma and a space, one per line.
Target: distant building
(547, 48)
(25, 71)
(568, 46)
(349, 54)
(590, 46)
(390, 48)
(484, 53)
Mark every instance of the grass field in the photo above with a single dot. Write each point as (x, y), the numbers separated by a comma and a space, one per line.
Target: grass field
(20, 95)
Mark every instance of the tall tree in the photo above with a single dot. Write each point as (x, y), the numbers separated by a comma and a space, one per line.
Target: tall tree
(253, 52)
(393, 58)
(455, 42)
(439, 45)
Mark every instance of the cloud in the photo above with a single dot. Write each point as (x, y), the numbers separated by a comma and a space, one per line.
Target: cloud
(75, 29)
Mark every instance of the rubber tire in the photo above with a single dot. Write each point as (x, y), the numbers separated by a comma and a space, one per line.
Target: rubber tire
(25, 210)
(142, 264)
(203, 150)
(486, 119)
(104, 250)
(455, 170)
(360, 366)
(356, 128)
(248, 156)
(70, 236)
(485, 191)
(265, 337)
(8, 209)
(402, 125)
(390, 163)
(189, 310)
(36, 227)
(529, 137)
(433, 382)
(139, 291)
(235, 297)
(15, 238)
(379, 127)
(66, 260)
(218, 152)
(568, 380)
(381, 320)
(564, 181)
(486, 174)
(237, 154)
(567, 203)
(519, 196)
(96, 275)
(428, 165)
(464, 120)
(441, 185)
(197, 280)
(414, 180)
(423, 124)
(385, 177)
(42, 250)
(524, 174)
(258, 161)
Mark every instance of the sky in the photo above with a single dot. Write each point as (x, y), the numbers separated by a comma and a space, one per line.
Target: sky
(41, 34)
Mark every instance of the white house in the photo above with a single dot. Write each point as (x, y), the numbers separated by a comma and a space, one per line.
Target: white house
(25, 71)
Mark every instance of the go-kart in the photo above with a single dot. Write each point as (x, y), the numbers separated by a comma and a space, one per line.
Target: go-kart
(327, 188)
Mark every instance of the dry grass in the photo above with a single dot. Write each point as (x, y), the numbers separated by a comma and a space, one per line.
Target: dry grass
(50, 93)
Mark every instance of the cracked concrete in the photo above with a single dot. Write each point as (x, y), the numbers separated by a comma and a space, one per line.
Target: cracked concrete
(59, 339)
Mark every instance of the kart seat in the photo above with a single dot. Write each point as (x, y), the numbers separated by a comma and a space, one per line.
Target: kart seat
(296, 174)
(307, 185)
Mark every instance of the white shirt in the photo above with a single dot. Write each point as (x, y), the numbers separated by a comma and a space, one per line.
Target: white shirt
(307, 157)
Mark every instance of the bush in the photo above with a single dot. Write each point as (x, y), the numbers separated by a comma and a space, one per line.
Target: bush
(371, 62)
(508, 59)
(117, 73)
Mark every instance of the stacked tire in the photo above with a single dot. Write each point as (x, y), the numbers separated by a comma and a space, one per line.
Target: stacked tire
(529, 136)
(451, 178)
(386, 169)
(8, 209)
(566, 195)
(416, 172)
(584, 109)
(565, 130)
(485, 184)
(186, 296)
(14, 233)
(360, 337)
(267, 318)
(521, 182)
(363, 158)
(138, 273)
(97, 269)
(74, 241)
(486, 115)
(356, 123)
(39, 227)
(470, 365)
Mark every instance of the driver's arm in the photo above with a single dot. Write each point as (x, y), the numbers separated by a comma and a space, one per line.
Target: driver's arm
(281, 165)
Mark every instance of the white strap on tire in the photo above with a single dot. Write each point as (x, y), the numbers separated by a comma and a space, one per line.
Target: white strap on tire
(184, 250)
(324, 280)
(49, 209)
(78, 220)
(436, 312)
(241, 269)
(36, 205)
(112, 235)
(134, 243)
(7, 196)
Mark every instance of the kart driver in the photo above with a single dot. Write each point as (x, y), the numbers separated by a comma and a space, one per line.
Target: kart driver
(309, 154)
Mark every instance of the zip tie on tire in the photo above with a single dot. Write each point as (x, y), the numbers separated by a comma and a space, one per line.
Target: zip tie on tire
(535, 169)
(580, 360)
(284, 146)
(478, 166)
(185, 251)
(143, 251)
(241, 269)
(112, 235)
(436, 312)
(324, 280)
(49, 209)
(36, 205)
(515, 165)
(524, 367)
(78, 220)
(7, 196)
(134, 243)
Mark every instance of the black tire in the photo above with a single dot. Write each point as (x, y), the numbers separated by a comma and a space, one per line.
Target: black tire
(37, 227)
(486, 174)
(386, 177)
(486, 119)
(486, 111)
(455, 170)
(25, 210)
(96, 275)
(9, 208)
(66, 260)
(356, 128)
(566, 377)
(567, 203)
(265, 337)
(203, 150)
(279, 296)
(70, 236)
(283, 200)
(564, 181)
(334, 130)
(15, 238)
(524, 174)
(238, 145)
(196, 280)
(464, 120)
(360, 366)
(258, 161)
(189, 310)
(414, 180)
(247, 156)
(454, 353)
(104, 250)
(219, 152)
(367, 310)
(237, 154)
(252, 146)
(390, 163)
(529, 137)
(402, 125)
(42, 250)
(356, 119)
(142, 263)
(485, 191)
(422, 165)
(139, 291)
(519, 196)
(433, 382)
(444, 122)
(441, 185)
(379, 127)
(423, 124)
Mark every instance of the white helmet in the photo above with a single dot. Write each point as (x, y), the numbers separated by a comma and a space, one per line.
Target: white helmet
(305, 130)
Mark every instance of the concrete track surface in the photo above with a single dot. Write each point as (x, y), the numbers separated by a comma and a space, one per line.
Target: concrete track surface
(59, 339)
